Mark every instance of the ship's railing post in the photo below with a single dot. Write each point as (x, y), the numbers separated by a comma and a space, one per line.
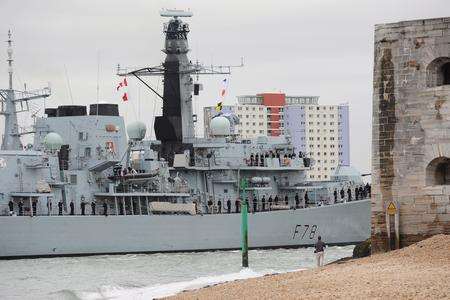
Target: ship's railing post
(31, 206)
(132, 206)
(116, 206)
(140, 206)
(123, 205)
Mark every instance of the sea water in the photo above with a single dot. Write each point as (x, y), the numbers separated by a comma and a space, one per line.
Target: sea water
(145, 276)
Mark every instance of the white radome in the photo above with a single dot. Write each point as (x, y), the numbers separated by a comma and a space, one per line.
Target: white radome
(220, 126)
(53, 141)
(136, 130)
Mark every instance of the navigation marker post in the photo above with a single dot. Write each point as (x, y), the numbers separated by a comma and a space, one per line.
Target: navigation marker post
(244, 223)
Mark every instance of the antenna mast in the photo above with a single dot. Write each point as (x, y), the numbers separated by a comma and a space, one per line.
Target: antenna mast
(12, 102)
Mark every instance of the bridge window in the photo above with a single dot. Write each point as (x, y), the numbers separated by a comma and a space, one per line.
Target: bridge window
(438, 171)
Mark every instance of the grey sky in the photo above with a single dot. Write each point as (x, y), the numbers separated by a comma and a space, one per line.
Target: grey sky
(314, 47)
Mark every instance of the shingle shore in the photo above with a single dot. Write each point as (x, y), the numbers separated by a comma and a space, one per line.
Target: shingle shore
(420, 271)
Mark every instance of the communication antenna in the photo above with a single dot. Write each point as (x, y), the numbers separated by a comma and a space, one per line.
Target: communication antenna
(98, 78)
(68, 84)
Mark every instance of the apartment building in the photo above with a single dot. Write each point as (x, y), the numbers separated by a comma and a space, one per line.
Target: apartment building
(252, 119)
(320, 131)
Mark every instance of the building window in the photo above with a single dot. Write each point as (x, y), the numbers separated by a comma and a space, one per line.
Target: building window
(438, 72)
(438, 171)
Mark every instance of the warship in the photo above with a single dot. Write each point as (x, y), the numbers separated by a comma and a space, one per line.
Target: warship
(88, 184)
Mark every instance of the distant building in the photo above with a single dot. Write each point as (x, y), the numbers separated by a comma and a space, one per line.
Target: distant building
(252, 119)
(321, 131)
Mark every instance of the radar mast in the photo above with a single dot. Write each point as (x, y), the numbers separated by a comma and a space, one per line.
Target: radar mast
(14, 101)
(175, 128)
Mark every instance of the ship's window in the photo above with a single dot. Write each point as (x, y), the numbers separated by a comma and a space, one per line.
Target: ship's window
(73, 179)
(225, 191)
(87, 152)
(82, 136)
(438, 171)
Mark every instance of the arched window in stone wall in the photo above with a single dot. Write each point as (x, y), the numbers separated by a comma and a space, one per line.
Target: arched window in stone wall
(445, 69)
(438, 72)
(438, 171)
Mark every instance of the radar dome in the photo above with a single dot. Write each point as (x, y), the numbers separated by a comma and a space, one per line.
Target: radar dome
(53, 141)
(136, 130)
(220, 126)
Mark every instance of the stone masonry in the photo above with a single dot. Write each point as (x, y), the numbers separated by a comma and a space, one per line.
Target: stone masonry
(411, 129)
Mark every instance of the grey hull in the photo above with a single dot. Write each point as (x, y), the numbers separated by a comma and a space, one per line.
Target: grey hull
(79, 235)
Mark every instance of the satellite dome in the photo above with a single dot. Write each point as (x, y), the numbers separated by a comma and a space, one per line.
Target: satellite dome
(136, 131)
(53, 141)
(220, 126)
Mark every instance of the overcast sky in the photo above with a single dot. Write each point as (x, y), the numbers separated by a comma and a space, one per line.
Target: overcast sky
(302, 47)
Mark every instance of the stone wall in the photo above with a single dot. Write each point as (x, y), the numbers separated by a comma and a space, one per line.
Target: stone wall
(411, 129)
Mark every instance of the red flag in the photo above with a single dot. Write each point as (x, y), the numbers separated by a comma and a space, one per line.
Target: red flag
(125, 97)
(122, 84)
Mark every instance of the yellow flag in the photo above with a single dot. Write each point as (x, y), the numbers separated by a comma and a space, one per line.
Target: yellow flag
(219, 106)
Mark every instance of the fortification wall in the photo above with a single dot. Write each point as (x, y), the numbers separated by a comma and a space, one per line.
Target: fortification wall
(411, 129)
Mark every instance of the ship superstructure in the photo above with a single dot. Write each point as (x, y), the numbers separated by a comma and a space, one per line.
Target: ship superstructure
(83, 187)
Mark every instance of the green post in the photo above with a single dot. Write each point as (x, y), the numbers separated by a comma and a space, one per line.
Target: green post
(244, 224)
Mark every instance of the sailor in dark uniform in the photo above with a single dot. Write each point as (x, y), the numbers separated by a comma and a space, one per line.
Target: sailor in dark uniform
(255, 205)
(11, 206)
(263, 203)
(34, 205)
(60, 207)
(83, 207)
(270, 202)
(105, 209)
(237, 205)
(297, 201)
(219, 206)
(72, 208)
(93, 208)
(229, 206)
(20, 208)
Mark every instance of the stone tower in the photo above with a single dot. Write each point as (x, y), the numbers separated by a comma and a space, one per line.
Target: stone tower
(411, 130)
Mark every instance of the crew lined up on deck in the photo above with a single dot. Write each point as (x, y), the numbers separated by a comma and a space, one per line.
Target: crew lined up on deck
(255, 205)
(261, 159)
(273, 202)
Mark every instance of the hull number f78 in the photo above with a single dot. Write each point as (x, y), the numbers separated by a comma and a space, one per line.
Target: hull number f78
(304, 231)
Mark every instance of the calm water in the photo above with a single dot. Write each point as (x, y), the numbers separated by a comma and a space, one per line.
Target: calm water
(144, 276)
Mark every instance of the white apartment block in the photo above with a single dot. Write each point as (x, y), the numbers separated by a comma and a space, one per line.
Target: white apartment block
(252, 119)
(319, 131)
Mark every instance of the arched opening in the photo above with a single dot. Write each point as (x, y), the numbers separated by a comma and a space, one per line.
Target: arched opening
(445, 71)
(438, 171)
(438, 72)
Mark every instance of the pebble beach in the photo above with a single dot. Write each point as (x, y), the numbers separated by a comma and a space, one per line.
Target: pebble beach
(420, 271)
